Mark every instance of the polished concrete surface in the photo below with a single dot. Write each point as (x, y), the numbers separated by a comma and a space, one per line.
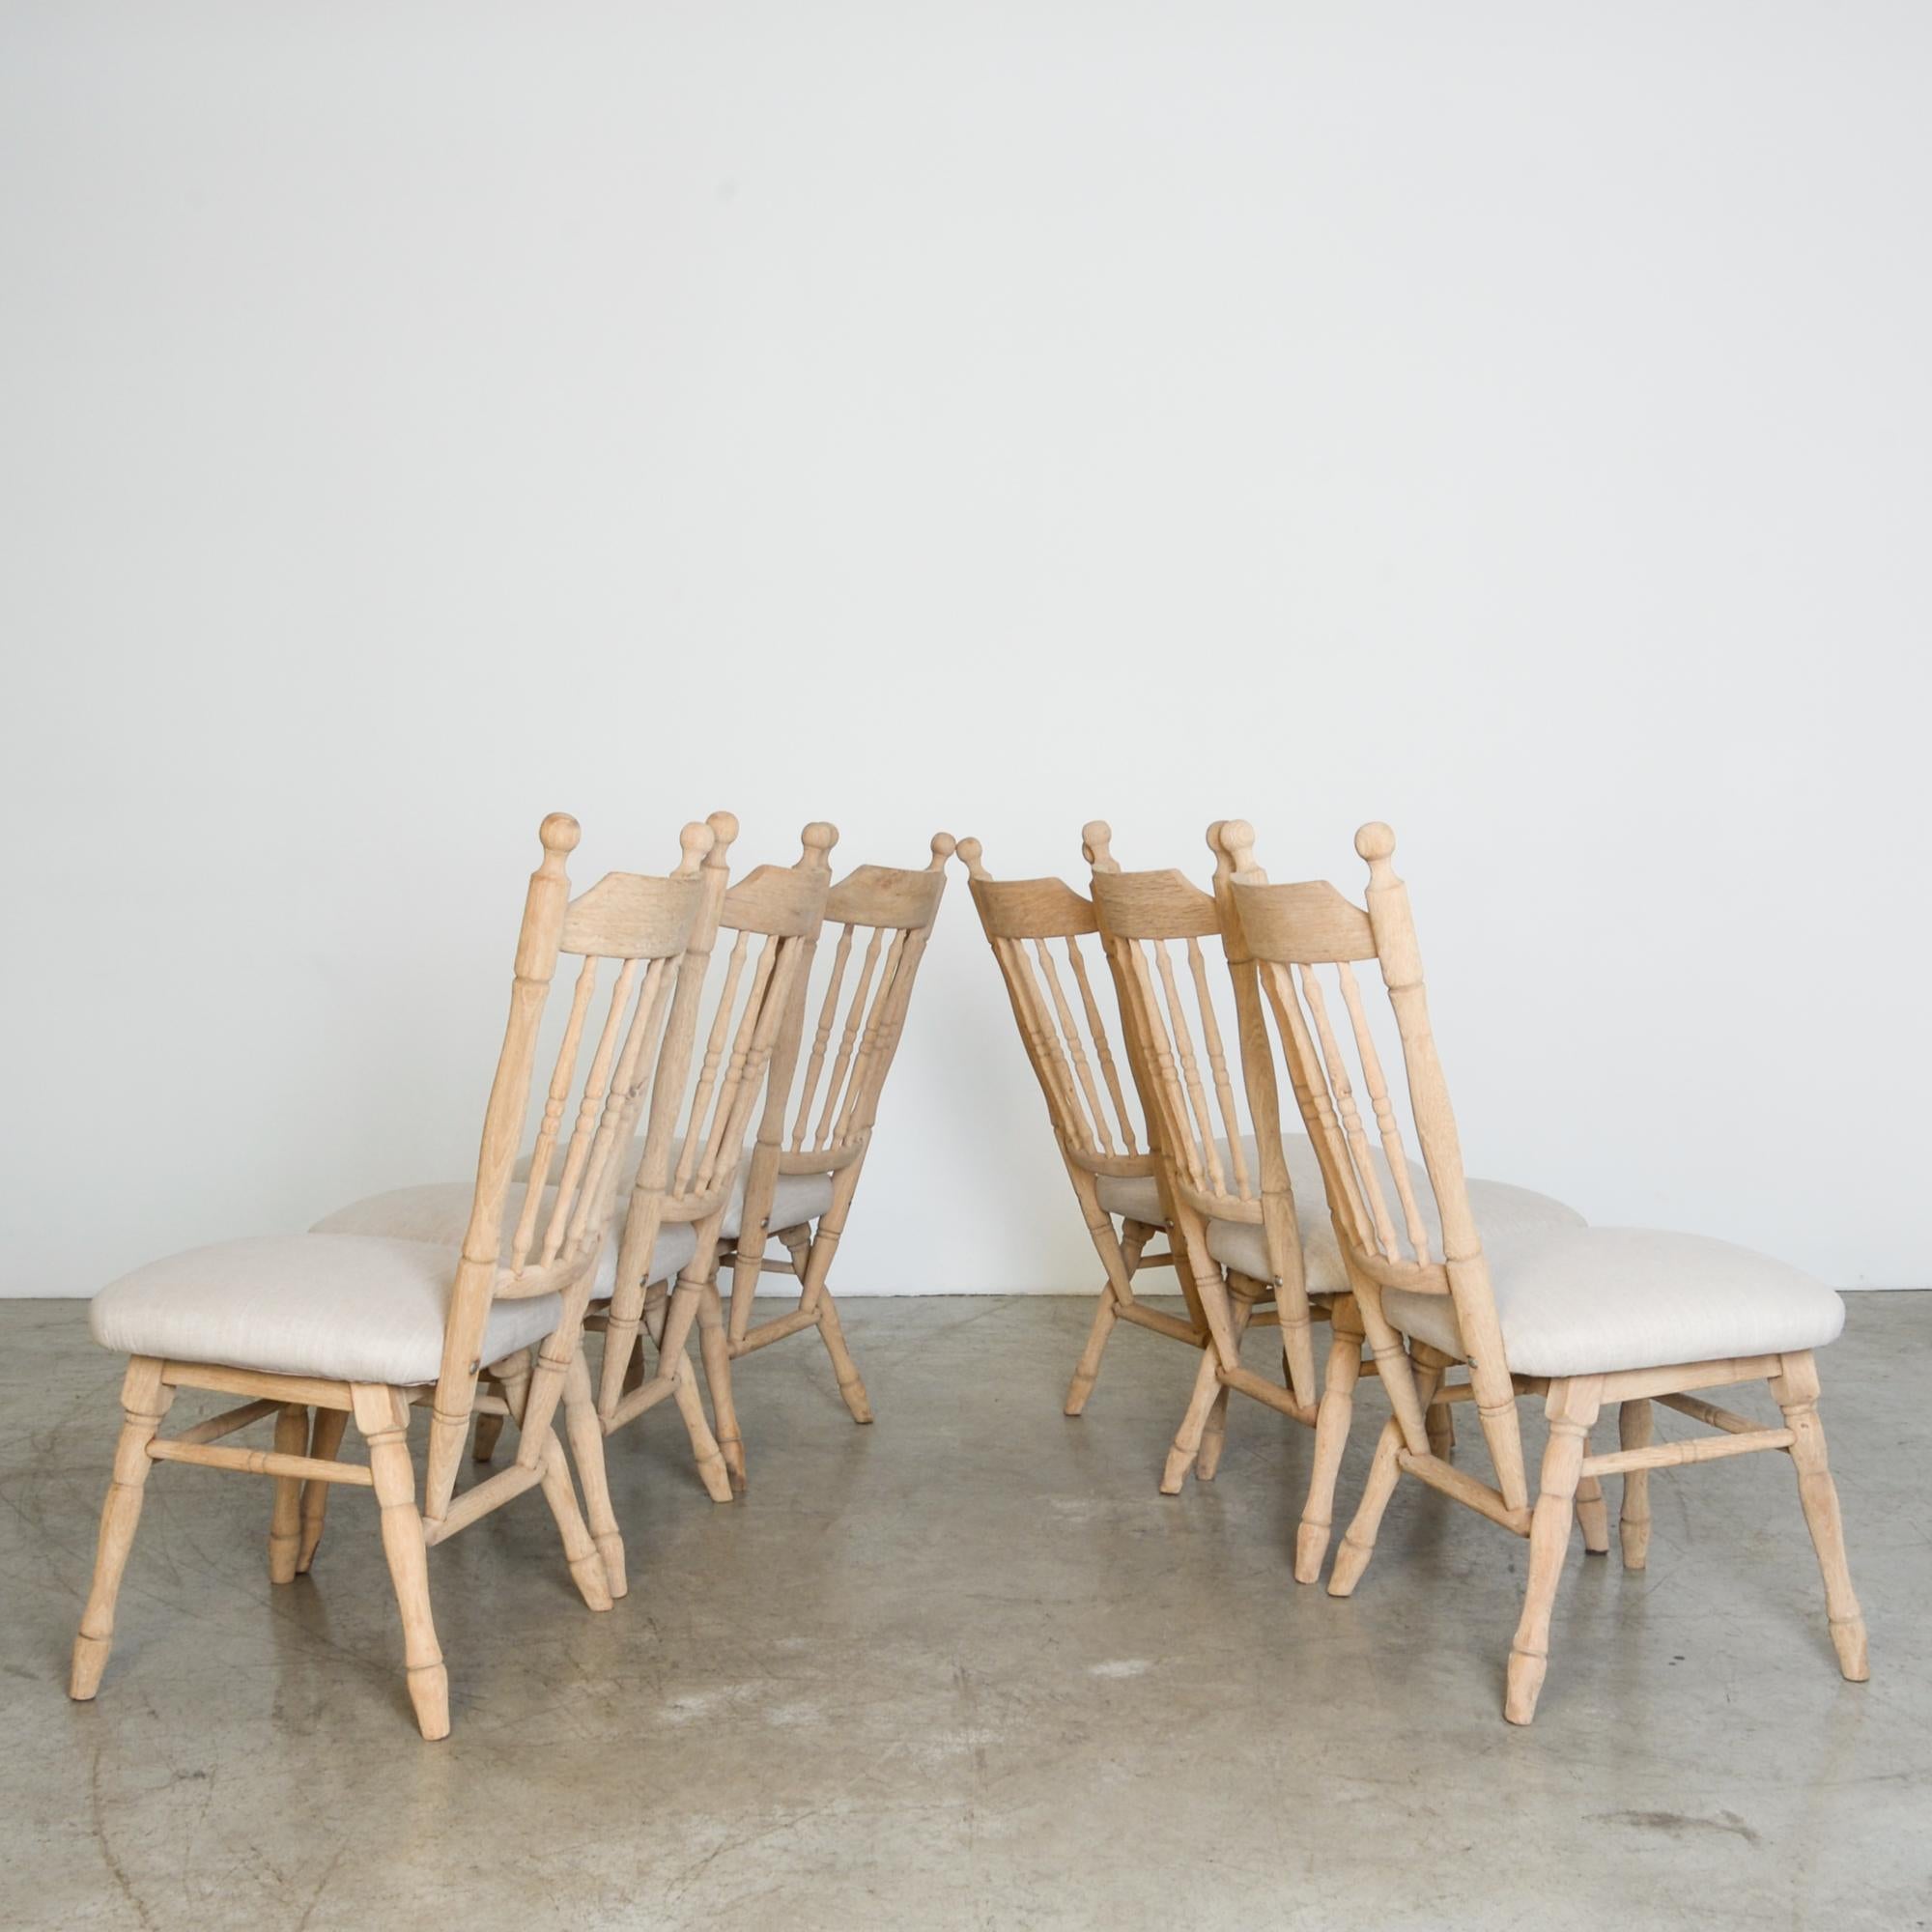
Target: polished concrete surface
(966, 1668)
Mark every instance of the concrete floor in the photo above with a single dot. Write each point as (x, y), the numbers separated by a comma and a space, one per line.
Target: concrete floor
(965, 1669)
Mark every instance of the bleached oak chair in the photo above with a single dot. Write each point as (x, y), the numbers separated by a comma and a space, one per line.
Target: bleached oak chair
(1580, 1315)
(799, 1186)
(1235, 1195)
(371, 1325)
(1108, 1143)
(774, 915)
(438, 1211)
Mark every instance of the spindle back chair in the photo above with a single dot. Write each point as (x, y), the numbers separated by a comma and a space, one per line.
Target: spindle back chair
(545, 1244)
(1422, 1248)
(1108, 1139)
(773, 915)
(1216, 1172)
(883, 916)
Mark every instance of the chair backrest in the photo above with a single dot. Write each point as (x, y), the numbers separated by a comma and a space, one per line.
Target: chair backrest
(774, 915)
(1393, 1233)
(1168, 1002)
(1099, 1117)
(885, 916)
(632, 930)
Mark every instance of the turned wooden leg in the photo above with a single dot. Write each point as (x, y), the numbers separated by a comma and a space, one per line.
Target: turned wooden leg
(285, 1519)
(1441, 1423)
(1193, 1423)
(1134, 1235)
(585, 1559)
(1358, 1541)
(1593, 1516)
(324, 1440)
(145, 1399)
(1634, 1431)
(1572, 1407)
(489, 1428)
(1087, 1371)
(1214, 1432)
(1331, 1437)
(1795, 1393)
(717, 1355)
(383, 1416)
(586, 1448)
(712, 1471)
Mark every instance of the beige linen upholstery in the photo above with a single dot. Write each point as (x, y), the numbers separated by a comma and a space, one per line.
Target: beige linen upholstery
(438, 1211)
(350, 1307)
(1581, 1301)
(1501, 1210)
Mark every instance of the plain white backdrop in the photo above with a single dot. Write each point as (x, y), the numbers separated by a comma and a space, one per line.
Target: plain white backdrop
(1509, 421)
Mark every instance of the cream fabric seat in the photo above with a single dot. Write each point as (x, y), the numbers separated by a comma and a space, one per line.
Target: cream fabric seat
(438, 1211)
(1582, 1301)
(353, 1308)
(1502, 1211)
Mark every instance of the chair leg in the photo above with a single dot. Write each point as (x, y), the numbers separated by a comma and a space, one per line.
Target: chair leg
(1572, 1408)
(1331, 1437)
(1634, 1431)
(1193, 1423)
(1593, 1516)
(1795, 1393)
(587, 1449)
(324, 1440)
(1215, 1433)
(717, 1355)
(489, 1428)
(832, 1332)
(1087, 1371)
(1358, 1541)
(284, 1520)
(1441, 1423)
(672, 1361)
(585, 1559)
(145, 1399)
(383, 1416)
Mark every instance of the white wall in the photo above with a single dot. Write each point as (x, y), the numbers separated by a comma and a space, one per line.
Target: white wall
(1509, 421)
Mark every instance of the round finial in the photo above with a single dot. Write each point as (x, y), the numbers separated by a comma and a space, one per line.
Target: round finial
(819, 838)
(1375, 841)
(1097, 837)
(723, 828)
(944, 845)
(1237, 841)
(972, 856)
(559, 833)
(695, 841)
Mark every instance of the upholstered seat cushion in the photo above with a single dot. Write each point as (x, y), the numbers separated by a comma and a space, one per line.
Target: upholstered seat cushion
(438, 1211)
(1580, 1301)
(796, 1198)
(350, 1307)
(1499, 1209)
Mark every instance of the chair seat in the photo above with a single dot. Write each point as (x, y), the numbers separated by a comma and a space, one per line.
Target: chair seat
(796, 1198)
(354, 1308)
(1501, 1210)
(438, 1211)
(1581, 1301)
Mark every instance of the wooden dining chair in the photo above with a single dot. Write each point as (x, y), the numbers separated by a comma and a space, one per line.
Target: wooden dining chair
(1580, 1316)
(799, 1187)
(699, 1184)
(373, 1327)
(1069, 1021)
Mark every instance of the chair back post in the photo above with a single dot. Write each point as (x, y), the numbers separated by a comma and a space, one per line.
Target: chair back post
(1231, 842)
(1400, 957)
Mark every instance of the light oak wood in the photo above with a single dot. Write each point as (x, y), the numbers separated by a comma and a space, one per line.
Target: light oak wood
(1294, 930)
(630, 933)
(1075, 1046)
(883, 916)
